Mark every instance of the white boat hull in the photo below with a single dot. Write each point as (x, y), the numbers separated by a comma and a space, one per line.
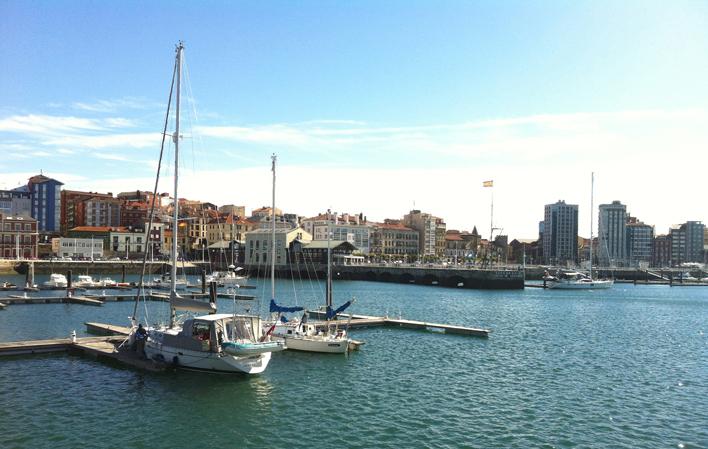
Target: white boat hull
(585, 285)
(329, 345)
(207, 361)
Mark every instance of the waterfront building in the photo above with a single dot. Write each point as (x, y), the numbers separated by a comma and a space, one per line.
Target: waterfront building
(230, 209)
(89, 209)
(454, 247)
(431, 232)
(523, 251)
(314, 253)
(687, 242)
(45, 194)
(560, 233)
(134, 213)
(640, 242)
(116, 240)
(18, 237)
(351, 228)
(661, 252)
(391, 239)
(258, 245)
(229, 228)
(440, 230)
(78, 248)
(139, 196)
(16, 203)
(612, 234)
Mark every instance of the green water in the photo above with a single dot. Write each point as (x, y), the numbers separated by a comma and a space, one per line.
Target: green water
(626, 367)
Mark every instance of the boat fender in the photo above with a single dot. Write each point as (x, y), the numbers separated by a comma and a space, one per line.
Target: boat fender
(175, 360)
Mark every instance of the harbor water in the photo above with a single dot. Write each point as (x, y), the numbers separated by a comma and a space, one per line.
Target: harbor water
(625, 367)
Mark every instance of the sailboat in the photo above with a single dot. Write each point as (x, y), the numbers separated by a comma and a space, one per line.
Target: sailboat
(301, 335)
(221, 343)
(577, 280)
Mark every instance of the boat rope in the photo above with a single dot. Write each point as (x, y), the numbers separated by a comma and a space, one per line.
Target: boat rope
(141, 283)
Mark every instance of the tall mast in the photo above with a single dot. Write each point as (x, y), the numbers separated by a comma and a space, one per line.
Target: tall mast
(592, 208)
(328, 299)
(274, 158)
(175, 225)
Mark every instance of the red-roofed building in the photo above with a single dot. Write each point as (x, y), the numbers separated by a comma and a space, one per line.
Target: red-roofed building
(393, 240)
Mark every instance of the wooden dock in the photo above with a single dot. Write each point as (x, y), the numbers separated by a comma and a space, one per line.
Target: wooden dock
(108, 347)
(53, 345)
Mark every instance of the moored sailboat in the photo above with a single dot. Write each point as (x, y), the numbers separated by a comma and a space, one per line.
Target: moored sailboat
(576, 280)
(300, 335)
(223, 343)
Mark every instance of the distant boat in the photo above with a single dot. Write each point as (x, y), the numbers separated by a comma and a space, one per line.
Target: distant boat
(85, 281)
(8, 286)
(56, 281)
(227, 278)
(570, 280)
(575, 280)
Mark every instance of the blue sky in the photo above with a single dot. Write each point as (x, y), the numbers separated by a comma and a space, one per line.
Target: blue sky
(371, 106)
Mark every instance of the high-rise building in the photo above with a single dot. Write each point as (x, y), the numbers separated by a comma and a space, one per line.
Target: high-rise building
(45, 195)
(560, 233)
(90, 209)
(431, 231)
(687, 242)
(640, 242)
(612, 234)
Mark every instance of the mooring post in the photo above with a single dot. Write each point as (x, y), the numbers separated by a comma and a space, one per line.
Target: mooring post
(203, 280)
(212, 293)
(122, 277)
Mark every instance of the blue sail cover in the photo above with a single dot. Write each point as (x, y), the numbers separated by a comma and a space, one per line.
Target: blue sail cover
(280, 309)
(333, 313)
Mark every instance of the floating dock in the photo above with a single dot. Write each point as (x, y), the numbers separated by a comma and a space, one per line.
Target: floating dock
(359, 321)
(53, 345)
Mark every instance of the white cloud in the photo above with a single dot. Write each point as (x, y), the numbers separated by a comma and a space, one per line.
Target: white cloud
(117, 141)
(653, 161)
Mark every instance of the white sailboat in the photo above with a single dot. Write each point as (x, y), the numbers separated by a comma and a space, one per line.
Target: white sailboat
(300, 335)
(222, 343)
(575, 280)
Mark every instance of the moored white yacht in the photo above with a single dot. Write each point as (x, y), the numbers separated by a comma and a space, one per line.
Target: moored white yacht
(219, 343)
(85, 281)
(56, 280)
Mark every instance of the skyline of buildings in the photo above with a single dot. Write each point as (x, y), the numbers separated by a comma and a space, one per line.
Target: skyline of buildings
(120, 221)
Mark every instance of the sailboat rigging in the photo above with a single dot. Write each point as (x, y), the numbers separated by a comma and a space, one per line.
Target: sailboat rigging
(301, 335)
(226, 343)
(577, 280)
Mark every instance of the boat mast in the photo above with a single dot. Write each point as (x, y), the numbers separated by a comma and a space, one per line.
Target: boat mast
(328, 299)
(274, 158)
(592, 208)
(175, 225)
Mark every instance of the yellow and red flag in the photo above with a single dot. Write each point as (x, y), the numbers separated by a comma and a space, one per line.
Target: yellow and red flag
(488, 184)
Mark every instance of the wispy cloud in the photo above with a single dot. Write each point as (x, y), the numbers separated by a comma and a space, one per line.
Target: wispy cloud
(115, 105)
(117, 141)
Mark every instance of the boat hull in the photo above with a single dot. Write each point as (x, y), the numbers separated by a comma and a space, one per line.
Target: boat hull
(314, 344)
(592, 285)
(207, 361)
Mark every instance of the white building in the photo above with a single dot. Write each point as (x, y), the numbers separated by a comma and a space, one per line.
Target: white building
(258, 245)
(349, 228)
(77, 247)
